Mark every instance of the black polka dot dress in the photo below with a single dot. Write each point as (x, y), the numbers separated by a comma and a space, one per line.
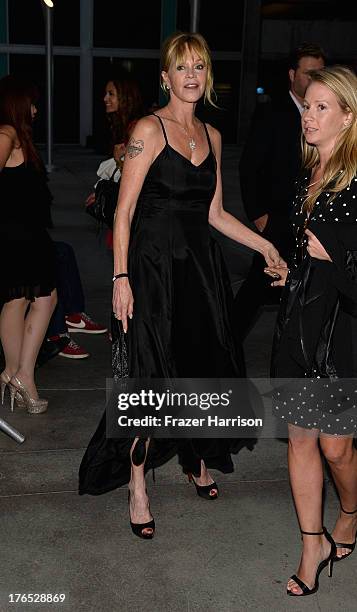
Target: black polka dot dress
(314, 355)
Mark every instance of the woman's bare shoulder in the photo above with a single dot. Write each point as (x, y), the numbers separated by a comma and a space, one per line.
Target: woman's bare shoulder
(147, 126)
(216, 140)
(214, 134)
(9, 131)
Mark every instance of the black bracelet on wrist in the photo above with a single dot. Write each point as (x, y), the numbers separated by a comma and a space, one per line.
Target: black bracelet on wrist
(122, 275)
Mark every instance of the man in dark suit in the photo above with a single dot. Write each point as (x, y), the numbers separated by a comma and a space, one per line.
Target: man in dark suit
(269, 165)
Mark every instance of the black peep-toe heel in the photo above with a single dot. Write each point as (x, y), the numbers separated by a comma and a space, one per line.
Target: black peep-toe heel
(139, 528)
(204, 491)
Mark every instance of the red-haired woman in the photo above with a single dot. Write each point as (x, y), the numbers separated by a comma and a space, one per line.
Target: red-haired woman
(27, 282)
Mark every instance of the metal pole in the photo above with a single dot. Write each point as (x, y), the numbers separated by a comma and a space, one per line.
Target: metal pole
(86, 71)
(4, 37)
(249, 67)
(11, 431)
(168, 26)
(195, 15)
(49, 86)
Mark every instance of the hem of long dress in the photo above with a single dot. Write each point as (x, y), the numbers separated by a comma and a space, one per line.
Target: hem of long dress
(94, 479)
(222, 462)
(151, 463)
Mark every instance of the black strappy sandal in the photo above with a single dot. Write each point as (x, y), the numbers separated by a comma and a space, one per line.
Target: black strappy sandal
(329, 561)
(349, 546)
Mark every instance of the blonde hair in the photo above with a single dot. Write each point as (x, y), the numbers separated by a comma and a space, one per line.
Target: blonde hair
(342, 165)
(174, 50)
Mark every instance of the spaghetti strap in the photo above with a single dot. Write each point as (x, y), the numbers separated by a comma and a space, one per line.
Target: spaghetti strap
(208, 138)
(162, 125)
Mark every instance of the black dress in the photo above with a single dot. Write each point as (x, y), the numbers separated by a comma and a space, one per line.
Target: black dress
(181, 324)
(26, 249)
(316, 334)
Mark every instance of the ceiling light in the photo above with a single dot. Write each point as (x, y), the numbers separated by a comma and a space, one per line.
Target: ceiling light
(48, 3)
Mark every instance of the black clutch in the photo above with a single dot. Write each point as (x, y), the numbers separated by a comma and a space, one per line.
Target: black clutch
(106, 197)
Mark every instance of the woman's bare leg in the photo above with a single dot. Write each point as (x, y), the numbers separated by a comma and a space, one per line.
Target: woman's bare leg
(12, 323)
(306, 480)
(205, 479)
(342, 459)
(139, 500)
(34, 331)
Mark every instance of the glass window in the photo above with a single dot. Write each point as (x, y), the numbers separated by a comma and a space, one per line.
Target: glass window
(66, 94)
(20, 15)
(65, 22)
(326, 9)
(183, 15)
(220, 23)
(127, 25)
(226, 85)
(66, 99)
(273, 77)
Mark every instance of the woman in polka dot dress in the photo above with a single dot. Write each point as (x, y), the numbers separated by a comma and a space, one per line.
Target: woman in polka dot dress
(315, 339)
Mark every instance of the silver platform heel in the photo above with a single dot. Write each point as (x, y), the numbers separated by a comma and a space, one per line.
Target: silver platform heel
(33, 406)
(5, 380)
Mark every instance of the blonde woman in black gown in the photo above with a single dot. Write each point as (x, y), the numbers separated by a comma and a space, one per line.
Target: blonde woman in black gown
(171, 289)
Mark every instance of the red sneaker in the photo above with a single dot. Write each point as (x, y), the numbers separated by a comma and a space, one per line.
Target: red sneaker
(73, 351)
(81, 322)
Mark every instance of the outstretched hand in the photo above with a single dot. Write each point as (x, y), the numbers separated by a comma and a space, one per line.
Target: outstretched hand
(123, 301)
(278, 273)
(273, 258)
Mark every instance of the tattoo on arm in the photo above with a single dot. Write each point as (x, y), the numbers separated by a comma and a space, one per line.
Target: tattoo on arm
(134, 147)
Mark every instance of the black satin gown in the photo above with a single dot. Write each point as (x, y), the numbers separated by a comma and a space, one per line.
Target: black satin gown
(182, 311)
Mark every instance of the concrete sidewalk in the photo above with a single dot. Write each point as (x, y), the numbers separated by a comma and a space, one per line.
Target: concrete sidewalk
(231, 555)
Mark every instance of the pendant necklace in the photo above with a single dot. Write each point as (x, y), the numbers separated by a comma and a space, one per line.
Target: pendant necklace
(191, 143)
